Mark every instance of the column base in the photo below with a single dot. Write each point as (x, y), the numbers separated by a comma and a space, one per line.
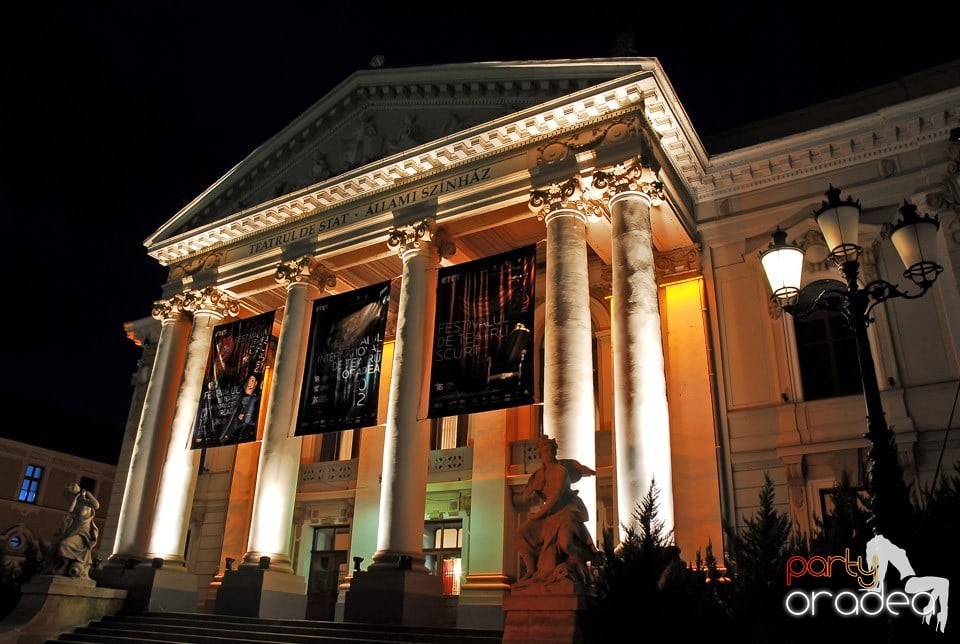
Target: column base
(255, 592)
(51, 605)
(163, 590)
(545, 614)
(394, 596)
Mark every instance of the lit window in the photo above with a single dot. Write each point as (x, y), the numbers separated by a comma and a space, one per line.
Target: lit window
(442, 545)
(449, 432)
(30, 484)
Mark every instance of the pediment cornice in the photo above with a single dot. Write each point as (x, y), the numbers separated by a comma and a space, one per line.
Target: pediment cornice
(645, 91)
(377, 113)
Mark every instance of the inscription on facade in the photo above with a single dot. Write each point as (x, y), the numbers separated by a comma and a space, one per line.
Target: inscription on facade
(402, 200)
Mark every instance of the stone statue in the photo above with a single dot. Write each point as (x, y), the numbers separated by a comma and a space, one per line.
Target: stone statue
(409, 136)
(366, 146)
(71, 552)
(554, 542)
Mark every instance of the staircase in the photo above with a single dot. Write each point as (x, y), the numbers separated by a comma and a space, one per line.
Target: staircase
(147, 627)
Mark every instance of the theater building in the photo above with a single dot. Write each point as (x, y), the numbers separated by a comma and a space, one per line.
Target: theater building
(434, 266)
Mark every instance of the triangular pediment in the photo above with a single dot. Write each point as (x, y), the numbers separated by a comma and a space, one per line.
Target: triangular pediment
(379, 113)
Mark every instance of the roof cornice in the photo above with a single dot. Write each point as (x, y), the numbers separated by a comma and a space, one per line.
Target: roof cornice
(881, 134)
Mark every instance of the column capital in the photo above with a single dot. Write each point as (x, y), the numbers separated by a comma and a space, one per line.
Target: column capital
(171, 308)
(418, 236)
(562, 195)
(210, 299)
(305, 269)
(635, 175)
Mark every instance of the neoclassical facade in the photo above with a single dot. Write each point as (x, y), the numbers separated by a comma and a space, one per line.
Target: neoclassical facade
(659, 358)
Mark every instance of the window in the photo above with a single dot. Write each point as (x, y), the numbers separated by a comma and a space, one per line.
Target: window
(442, 545)
(448, 432)
(30, 484)
(826, 349)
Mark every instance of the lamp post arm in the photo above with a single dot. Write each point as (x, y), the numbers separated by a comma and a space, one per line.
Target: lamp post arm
(881, 290)
(829, 299)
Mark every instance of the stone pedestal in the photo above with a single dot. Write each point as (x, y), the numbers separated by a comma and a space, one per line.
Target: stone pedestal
(51, 605)
(255, 592)
(545, 614)
(395, 596)
(165, 590)
(480, 605)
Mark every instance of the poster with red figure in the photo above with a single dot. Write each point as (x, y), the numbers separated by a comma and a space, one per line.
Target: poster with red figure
(241, 353)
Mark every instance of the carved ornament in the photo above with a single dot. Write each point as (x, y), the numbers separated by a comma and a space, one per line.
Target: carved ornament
(680, 262)
(418, 236)
(557, 196)
(636, 175)
(169, 309)
(305, 269)
(211, 299)
(195, 265)
(560, 149)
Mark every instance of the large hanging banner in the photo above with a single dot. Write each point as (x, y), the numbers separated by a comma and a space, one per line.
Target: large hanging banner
(341, 381)
(483, 335)
(229, 408)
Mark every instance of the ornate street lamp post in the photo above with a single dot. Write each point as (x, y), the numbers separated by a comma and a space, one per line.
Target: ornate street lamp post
(915, 239)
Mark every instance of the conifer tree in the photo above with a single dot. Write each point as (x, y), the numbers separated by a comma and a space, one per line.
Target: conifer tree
(645, 581)
(760, 552)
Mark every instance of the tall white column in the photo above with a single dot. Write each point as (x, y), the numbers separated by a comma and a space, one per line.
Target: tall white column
(136, 516)
(406, 446)
(568, 401)
(279, 469)
(641, 417)
(178, 480)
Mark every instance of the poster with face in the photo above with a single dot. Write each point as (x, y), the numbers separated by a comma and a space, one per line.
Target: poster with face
(241, 354)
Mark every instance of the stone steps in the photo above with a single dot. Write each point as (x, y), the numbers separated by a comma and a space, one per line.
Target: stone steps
(148, 627)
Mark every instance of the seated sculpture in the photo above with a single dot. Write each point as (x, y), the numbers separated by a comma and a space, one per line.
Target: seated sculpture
(71, 552)
(553, 542)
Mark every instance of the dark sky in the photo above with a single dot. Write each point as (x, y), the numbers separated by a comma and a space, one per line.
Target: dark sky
(115, 114)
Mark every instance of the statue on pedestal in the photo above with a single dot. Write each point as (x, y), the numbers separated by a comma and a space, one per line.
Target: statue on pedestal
(70, 554)
(553, 542)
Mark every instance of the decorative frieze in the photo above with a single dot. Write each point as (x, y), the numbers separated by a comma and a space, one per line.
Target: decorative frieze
(195, 265)
(589, 139)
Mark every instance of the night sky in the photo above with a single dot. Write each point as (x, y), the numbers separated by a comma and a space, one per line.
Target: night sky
(116, 114)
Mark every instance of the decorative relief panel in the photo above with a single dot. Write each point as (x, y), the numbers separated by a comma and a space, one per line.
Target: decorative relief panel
(677, 264)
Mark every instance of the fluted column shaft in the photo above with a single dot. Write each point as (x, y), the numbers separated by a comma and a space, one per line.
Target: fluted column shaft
(279, 468)
(641, 418)
(406, 446)
(178, 479)
(136, 515)
(568, 400)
